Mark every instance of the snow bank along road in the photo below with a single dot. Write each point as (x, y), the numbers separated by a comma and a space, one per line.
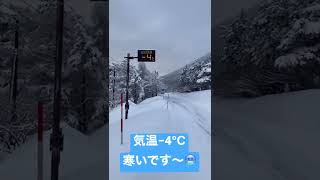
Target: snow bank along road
(271, 137)
(84, 157)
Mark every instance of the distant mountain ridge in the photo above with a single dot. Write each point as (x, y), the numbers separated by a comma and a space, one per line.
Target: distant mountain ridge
(195, 75)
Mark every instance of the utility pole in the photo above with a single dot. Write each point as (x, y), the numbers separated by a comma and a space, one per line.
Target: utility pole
(127, 87)
(56, 138)
(14, 74)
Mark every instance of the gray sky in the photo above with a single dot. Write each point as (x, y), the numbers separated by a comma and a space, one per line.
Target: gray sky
(179, 30)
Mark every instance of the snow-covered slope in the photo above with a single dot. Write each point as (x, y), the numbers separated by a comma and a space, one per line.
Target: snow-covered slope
(195, 75)
(272, 137)
(83, 158)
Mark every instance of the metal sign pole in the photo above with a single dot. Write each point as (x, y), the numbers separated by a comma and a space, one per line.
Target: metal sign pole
(121, 101)
(143, 56)
(127, 88)
(56, 139)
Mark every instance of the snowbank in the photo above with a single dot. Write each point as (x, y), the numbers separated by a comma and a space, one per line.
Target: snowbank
(271, 137)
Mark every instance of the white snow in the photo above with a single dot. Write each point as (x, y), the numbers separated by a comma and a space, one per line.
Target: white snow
(203, 79)
(6, 10)
(272, 137)
(312, 28)
(205, 69)
(287, 60)
(84, 157)
(298, 56)
(186, 113)
(311, 9)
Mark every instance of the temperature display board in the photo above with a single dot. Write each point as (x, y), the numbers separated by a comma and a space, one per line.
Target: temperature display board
(146, 55)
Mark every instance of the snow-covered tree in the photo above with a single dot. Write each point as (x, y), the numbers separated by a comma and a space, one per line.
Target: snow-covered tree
(197, 75)
(142, 82)
(278, 45)
(84, 67)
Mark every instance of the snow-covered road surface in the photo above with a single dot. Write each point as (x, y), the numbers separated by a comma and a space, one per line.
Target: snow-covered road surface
(187, 113)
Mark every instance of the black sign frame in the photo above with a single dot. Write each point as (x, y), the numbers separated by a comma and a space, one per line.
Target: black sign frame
(146, 55)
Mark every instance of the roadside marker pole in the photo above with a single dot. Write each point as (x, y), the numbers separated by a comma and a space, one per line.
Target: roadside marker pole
(40, 141)
(121, 118)
(168, 102)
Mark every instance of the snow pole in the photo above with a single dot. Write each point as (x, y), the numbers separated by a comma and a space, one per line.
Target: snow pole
(121, 101)
(40, 141)
(168, 102)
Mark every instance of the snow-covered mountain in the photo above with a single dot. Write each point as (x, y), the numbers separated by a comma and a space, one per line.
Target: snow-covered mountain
(194, 76)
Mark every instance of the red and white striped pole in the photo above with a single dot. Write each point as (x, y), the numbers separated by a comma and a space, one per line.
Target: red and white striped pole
(121, 101)
(40, 141)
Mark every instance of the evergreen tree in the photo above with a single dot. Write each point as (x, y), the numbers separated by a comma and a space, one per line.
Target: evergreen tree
(278, 45)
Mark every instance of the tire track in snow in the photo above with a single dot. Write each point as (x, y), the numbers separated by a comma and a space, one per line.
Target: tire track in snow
(200, 119)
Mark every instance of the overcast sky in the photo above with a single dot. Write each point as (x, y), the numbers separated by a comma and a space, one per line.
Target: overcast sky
(179, 30)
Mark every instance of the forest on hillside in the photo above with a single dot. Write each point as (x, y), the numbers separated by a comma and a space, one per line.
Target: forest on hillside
(143, 84)
(272, 48)
(195, 76)
(84, 76)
